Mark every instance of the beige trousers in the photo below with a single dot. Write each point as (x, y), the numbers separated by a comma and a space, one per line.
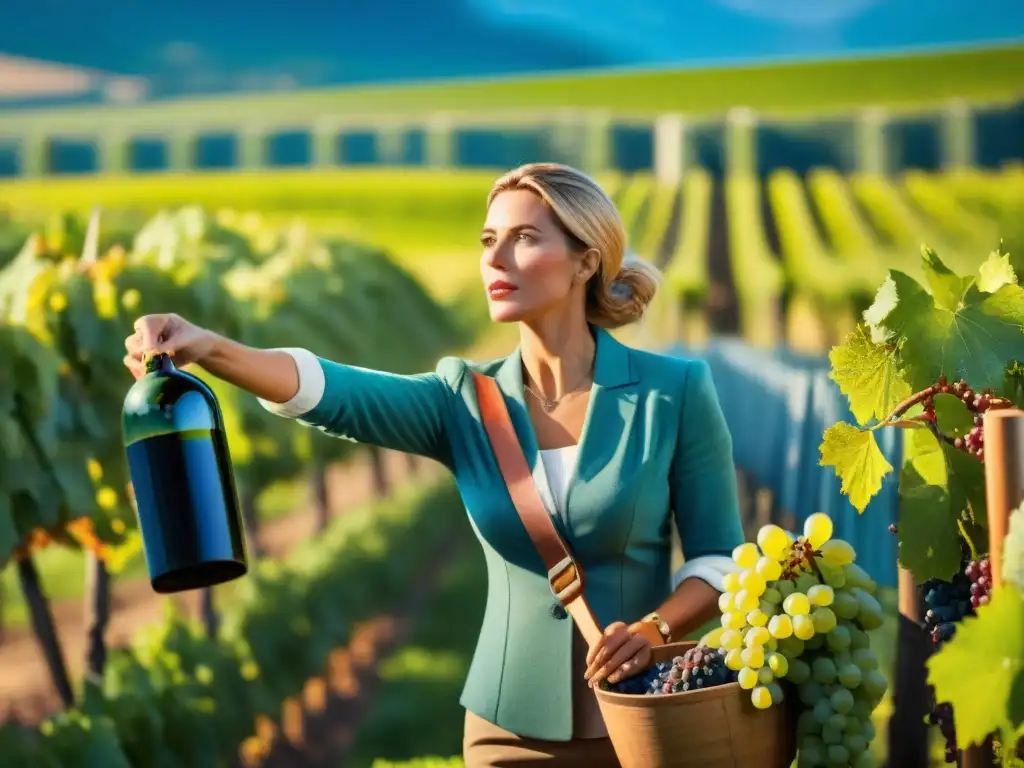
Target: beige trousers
(485, 745)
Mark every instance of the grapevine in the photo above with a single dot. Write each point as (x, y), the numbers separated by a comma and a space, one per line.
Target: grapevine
(178, 699)
(932, 360)
(63, 321)
(976, 403)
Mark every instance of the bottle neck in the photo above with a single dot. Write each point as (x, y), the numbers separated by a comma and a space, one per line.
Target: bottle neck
(160, 362)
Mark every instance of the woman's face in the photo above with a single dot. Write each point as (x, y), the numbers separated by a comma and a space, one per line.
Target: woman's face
(527, 264)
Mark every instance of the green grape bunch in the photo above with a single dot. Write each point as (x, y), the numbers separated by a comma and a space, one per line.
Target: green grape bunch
(796, 615)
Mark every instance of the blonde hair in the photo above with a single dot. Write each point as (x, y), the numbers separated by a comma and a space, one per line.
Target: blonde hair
(620, 291)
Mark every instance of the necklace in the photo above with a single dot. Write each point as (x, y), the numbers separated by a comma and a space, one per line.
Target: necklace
(547, 404)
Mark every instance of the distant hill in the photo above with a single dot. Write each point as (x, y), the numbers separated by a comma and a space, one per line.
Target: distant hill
(211, 46)
(197, 46)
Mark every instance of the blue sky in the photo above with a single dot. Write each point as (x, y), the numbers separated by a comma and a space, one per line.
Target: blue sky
(693, 31)
(212, 45)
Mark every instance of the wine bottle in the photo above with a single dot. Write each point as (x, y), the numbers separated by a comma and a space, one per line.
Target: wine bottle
(184, 487)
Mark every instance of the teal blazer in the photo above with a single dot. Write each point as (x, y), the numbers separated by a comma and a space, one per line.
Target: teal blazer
(654, 449)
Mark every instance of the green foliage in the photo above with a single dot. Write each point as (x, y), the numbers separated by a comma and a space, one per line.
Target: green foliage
(65, 321)
(869, 375)
(810, 267)
(177, 699)
(68, 739)
(968, 327)
(857, 460)
(757, 275)
(28, 384)
(428, 218)
(991, 646)
(930, 510)
(687, 271)
(421, 681)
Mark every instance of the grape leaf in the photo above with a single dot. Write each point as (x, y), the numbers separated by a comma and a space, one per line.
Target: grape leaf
(869, 375)
(887, 298)
(857, 460)
(1013, 549)
(991, 646)
(948, 288)
(965, 479)
(996, 272)
(976, 341)
(929, 544)
(928, 547)
(929, 538)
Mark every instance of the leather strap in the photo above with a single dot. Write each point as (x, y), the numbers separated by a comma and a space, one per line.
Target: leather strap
(565, 575)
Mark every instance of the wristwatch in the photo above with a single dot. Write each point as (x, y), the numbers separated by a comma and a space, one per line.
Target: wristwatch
(660, 625)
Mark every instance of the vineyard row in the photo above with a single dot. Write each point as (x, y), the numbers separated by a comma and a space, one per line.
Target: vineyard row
(733, 248)
(177, 697)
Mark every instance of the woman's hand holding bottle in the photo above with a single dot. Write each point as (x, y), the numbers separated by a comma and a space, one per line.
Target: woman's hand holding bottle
(267, 373)
(172, 334)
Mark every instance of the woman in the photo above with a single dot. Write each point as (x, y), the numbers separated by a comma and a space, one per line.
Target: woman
(621, 443)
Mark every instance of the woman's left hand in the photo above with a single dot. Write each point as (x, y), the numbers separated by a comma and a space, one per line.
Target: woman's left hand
(620, 653)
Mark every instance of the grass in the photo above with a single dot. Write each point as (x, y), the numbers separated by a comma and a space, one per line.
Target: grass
(901, 81)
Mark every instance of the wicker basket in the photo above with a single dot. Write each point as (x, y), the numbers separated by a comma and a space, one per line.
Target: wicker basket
(713, 728)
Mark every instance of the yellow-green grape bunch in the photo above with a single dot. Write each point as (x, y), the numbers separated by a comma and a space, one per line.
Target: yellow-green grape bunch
(799, 609)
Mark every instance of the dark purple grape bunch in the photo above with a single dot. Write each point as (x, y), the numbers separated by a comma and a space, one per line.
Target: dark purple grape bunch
(638, 685)
(698, 668)
(942, 716)
(948, 602)
(979, 573)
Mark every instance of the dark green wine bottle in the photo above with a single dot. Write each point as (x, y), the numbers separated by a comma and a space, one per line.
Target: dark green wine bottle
(181, 474)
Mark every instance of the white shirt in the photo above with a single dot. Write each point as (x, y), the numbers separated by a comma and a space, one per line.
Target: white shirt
(559, 465)
(555, 472)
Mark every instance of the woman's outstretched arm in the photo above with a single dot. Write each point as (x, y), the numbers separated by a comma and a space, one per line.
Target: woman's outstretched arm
(269, 374)
(405, 413)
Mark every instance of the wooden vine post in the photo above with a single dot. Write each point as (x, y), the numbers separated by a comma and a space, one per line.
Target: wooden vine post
(320, 496)
(97, 577)
(1004, 479)
(908, 726)
(45, 629)
(1004, 492)
(378, 468)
